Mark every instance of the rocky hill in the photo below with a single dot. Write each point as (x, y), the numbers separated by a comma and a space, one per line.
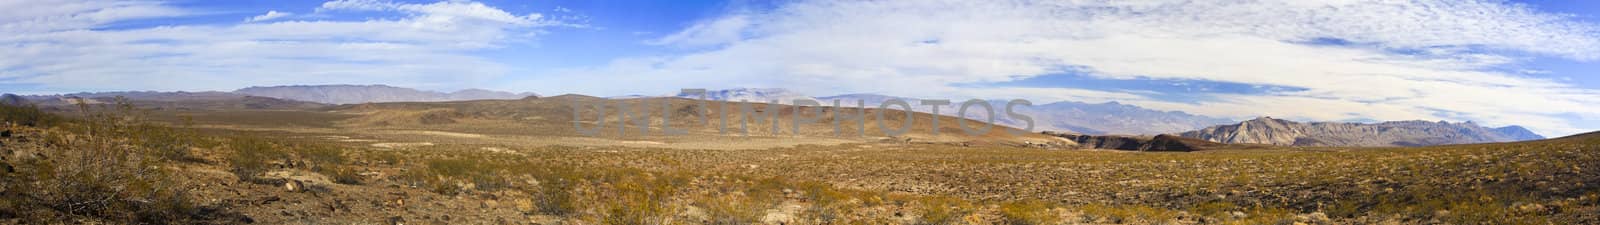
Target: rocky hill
(352, 94)
(1267, 130)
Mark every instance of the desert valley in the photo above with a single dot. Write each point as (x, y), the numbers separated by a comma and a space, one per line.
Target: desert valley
(232, 157)
(800, 112)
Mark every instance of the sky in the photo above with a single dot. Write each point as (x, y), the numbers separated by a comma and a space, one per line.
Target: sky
(1495, 63)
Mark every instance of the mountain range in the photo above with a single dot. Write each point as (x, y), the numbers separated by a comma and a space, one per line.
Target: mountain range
(1066, 117)
(1270, 131)
(1079, 117)
(352, 94)
(325, 94)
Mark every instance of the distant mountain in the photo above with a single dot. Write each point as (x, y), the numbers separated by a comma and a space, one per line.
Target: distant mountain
(869, 100)
(1085, 118)
(1266, 130)
(1116, 118)
(11, 99)
(627, 97)
(173, 100)
(1517, 133)
(351, 94)
(754, 95)
(145, 95)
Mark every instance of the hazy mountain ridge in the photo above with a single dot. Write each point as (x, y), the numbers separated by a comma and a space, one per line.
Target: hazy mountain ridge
(170, 100)
(143, 95)
(324, 94)
(1267, 130)
(1086, 118)
(1117, 118)
(352, 94)
(754, 95)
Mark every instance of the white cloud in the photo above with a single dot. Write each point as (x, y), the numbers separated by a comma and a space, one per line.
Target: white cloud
(1403, 60)
(57, 15)
(443, 11)
(271, 15)
(63, 46)
(721, 31)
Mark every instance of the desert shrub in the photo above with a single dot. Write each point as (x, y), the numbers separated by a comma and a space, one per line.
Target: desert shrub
(637, 201)
(343, 175)
(453, 176)
(26, 115)
(731, 209)
(943, 210)
(320, 156)
(95, 166)
(829, 205)
(1028, 212)
(1139, 213)
(252, 156)
(384, 157)
(167, 143)
(328, 161)
(554, 197)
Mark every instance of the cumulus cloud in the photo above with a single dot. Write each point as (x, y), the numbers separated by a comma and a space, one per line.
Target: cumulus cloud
(64, 45)
(1390, 60)
(271, 15)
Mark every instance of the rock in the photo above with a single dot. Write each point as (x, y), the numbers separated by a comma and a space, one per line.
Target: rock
(1238, 214)
(294, 186)
(5, 133)
(299, 180)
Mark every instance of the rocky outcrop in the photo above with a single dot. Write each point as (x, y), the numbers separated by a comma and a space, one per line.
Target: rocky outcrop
(1270, 131)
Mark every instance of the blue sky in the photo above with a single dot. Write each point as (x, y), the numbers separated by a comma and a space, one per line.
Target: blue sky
(1492, 62)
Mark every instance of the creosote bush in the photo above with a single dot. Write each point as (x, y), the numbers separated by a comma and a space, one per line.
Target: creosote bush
(105, 164)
